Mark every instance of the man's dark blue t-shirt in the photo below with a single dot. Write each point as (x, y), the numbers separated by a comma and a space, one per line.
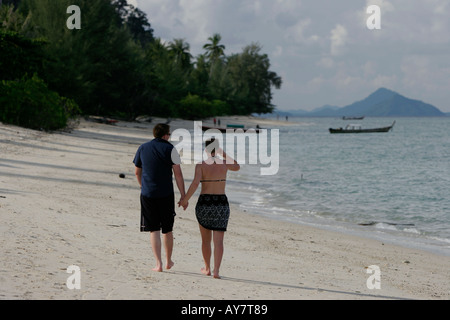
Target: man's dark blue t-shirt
(155, 159)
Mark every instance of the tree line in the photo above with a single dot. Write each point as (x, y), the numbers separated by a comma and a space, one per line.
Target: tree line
(115, 66)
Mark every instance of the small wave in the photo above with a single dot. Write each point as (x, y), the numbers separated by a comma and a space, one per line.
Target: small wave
(441, 239)
(412, 230)
(404, 227)
(375, 223)
(385, 226)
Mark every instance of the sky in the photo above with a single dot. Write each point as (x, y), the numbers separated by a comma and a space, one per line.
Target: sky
(323, 49)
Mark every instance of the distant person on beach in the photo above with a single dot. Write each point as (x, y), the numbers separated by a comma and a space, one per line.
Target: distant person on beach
(155, 161)
(212, 209)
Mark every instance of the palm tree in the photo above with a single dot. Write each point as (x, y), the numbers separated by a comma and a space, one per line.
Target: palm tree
(180, 49)
(15, 21)
(213, 49)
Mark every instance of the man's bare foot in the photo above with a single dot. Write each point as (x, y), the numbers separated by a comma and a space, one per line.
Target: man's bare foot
(169, 265)
(206, 272)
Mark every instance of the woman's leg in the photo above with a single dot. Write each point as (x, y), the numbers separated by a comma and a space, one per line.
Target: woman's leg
(218, 251)
(206, 249)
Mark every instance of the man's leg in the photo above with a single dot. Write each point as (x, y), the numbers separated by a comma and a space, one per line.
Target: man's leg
(168, 245)
(155, 239)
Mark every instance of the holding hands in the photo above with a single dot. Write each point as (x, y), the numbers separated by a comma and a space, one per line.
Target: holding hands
(183, 203)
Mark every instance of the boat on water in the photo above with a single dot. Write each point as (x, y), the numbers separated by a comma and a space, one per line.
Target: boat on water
(356, 128)
(353, 118)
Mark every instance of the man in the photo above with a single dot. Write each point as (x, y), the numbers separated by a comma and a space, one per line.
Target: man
(155, 161)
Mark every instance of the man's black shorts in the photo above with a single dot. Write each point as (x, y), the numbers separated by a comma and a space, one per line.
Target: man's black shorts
(157, 214)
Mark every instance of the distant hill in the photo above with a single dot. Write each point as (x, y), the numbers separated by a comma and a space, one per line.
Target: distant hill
(325, 110)
(381, 103)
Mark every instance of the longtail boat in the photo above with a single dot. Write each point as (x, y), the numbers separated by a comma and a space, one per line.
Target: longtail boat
(356, 128)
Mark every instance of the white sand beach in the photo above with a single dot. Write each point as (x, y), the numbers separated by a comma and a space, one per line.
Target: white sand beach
(63, 203)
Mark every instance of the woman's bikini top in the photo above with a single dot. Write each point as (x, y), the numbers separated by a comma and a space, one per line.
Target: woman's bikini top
(219, 180)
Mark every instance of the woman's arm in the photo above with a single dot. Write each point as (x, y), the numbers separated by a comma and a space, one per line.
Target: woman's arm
(232, 164)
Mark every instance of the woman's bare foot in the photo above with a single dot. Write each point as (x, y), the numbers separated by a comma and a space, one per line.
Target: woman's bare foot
(158, 268)
(206, 272)
(216, 275)
(169, 265)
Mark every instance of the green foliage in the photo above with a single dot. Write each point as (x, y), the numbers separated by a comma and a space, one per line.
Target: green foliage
(29, 103)
(100, 66)
(194, 107)
(114, 66)
(15, 21)
(136, 22)
(219, 108)
(214, 50)
(19, 55)
(251, 80)
(241, 82)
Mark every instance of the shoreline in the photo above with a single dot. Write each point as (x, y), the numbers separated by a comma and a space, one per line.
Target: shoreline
(62, 203)
(383, 233)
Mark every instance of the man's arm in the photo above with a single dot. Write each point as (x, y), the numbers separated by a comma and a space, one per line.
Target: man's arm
(179, 179)
(138, 173)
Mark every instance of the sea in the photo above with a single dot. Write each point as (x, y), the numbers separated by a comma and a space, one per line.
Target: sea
(393, 187)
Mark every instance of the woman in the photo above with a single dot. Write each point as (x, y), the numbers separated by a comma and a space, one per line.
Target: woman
(212, 209)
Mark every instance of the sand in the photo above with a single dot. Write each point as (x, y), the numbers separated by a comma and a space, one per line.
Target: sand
(63, 203)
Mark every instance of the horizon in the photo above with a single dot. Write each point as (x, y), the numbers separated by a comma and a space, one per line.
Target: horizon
(324, 50)
(356, 100)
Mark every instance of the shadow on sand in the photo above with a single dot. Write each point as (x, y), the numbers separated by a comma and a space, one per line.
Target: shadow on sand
(345, 294)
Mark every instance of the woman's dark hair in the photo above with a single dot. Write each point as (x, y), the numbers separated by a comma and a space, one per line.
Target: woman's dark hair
(214, 145)
(160, 130)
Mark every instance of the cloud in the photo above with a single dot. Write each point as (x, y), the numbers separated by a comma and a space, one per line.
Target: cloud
(323, 49)
(278, 51)
(326, 62)
(425, 75)
(134, 3)
(339, 38)
(385, 81)
(296, 32)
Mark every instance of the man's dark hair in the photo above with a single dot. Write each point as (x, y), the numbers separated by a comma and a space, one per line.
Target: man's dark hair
(160, 130)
